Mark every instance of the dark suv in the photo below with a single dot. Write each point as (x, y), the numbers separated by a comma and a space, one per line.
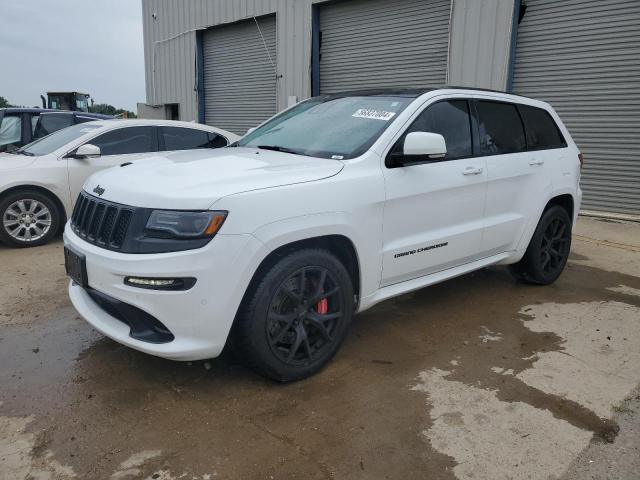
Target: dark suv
(20, 126)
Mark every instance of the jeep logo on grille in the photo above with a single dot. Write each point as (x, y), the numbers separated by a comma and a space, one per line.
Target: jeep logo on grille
(99, 190)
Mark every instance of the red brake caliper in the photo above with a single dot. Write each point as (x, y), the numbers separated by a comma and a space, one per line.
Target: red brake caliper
(322, 307)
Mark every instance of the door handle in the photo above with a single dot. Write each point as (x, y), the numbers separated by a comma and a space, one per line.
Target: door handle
(472, 171)
(535, 162)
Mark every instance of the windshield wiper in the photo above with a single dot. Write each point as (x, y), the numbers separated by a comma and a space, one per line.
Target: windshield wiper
(276, 148)
(24, 152)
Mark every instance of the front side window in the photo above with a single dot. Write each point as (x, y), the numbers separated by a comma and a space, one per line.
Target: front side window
(177, 138)
(542, 131)
(10, 131)
(52, 122)
(125, 140)
(500, 128)
(450, 119)
(329, 127)
(59, 139)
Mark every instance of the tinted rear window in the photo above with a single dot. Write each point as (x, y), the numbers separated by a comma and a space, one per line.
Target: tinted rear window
(500, 128)
(125, 140)
(542, 131)
(179, 138)
(217, 141)
(176, 138)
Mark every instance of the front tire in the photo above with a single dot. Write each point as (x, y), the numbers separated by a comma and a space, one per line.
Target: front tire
(29, 218)
(548, 250)
(296, 315)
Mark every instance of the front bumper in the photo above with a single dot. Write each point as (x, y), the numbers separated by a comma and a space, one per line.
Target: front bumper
(199, 318)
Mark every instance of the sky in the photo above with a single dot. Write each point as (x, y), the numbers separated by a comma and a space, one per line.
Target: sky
(89, 46)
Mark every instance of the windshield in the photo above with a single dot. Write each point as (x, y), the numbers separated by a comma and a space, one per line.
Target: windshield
(328, 127)
(56, 140)
(82, 104)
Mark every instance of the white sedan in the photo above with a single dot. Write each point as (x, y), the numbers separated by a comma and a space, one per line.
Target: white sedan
(40, 182)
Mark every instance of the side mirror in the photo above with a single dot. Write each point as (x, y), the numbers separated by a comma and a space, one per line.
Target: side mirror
(424, 144)
(87, 151)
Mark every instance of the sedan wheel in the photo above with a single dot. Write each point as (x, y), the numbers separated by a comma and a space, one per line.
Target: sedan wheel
(27, 220)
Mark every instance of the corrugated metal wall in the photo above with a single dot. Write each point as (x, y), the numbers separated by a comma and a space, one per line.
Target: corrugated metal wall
(239, 76)
(174, 60)
(583, 57)
(170, 44)
(369, 44)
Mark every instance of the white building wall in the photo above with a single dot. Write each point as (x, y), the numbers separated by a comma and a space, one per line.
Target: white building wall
(478, 52)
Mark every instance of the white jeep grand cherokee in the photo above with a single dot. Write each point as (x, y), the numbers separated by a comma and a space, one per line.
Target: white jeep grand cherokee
(323, 211)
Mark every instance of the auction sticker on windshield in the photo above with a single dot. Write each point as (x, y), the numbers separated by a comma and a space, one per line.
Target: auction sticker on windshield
(374, 114)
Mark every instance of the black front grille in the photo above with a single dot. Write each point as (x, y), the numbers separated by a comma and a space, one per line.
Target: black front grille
(100, 222)
(122, 228)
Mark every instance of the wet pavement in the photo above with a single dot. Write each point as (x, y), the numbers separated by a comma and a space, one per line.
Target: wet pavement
(478, 377)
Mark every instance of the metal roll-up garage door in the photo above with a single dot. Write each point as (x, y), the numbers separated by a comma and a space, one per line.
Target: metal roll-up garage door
(583, 57)
(239, 74)
(381, 43)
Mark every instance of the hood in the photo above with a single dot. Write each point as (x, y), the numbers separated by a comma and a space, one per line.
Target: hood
(196, 179)
(10, 161)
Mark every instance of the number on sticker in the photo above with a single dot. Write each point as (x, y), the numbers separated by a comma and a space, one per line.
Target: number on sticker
(374, 114)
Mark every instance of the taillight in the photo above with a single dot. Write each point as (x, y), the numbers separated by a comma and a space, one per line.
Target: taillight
(581, 159)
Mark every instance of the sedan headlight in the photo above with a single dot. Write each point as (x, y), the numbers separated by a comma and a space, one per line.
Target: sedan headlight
(184, 224)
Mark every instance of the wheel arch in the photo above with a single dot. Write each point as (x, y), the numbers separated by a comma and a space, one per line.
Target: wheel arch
(42, 190)
(561, 198)
(339, 245)
(564, 200)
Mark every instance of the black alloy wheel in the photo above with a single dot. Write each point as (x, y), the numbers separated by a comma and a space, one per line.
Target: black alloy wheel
(548, 250)
(295, 315)
(554, 248)
(304, 315)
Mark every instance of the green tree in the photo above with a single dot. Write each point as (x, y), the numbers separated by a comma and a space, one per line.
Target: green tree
(4, 103)
(107, 109)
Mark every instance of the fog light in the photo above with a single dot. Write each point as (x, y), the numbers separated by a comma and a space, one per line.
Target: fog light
(161, 283)
(152, 282)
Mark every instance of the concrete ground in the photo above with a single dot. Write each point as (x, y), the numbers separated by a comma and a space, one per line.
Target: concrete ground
(476, 378)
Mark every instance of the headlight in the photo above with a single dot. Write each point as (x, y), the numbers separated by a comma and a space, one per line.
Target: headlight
(185, 225)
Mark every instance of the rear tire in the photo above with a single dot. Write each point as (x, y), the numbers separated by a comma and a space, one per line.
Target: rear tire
(296, 315)
(548, 250)
(29, 218)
